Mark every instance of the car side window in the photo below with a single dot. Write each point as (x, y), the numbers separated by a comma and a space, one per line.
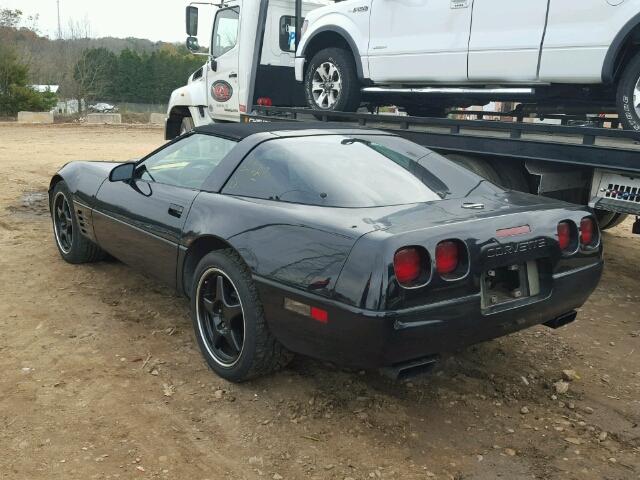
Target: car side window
(225, 31)
(186, 163)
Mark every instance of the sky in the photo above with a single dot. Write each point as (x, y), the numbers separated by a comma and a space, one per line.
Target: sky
(152, 19)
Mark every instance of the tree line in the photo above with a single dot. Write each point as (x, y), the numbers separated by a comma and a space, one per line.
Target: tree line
(131, 76)
(107, 69)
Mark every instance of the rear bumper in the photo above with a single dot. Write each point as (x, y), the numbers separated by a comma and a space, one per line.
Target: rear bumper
(369, 339)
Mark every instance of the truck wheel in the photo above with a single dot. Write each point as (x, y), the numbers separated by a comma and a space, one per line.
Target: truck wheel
(477, 166)
(608, 220)
(331, 81)
(616, 220)
(187, 125)
(73, 246)
(229, 322)
(628, 97)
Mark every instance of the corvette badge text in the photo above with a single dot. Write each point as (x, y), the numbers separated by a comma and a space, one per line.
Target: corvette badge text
(513, 248)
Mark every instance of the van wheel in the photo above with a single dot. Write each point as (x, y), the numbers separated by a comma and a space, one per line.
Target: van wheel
(187, 125)
(331, 81)
(628, 97)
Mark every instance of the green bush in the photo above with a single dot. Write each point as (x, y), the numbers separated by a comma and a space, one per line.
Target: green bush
(15, 95)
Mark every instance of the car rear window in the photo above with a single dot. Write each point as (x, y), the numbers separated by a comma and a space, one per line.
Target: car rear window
(349, 171)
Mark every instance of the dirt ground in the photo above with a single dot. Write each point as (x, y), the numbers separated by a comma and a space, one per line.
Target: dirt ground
(101, 377)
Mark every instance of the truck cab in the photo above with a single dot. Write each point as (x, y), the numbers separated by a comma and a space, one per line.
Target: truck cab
(241, 68)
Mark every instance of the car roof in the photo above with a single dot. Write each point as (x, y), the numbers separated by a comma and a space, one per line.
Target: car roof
(240, 131)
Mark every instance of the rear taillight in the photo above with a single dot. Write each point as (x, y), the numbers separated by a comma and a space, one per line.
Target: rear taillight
(265, 102)
(587, 231)
(564, 235)
(447, 257)
(408, 264)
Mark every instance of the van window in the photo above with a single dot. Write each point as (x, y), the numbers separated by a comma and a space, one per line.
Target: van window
(288, 33)
(225, 31)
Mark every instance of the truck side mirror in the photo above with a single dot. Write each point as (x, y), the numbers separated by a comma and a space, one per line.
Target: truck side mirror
(192, 44)
(192, 21)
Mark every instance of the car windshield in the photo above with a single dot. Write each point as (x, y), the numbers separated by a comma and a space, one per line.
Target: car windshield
(349, 171)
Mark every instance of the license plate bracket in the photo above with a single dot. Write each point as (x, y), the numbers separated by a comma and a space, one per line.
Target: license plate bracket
(509, 283)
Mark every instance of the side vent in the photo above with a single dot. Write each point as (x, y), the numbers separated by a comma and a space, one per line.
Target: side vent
(82, 222)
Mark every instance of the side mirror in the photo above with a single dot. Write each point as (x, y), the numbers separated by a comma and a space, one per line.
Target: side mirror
(192, 44)
(192, 21)
(122, 173)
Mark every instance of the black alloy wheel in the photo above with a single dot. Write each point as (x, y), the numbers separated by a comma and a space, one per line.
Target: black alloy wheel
(73, 245)
(63, 223)
(229, 321)
(220, 317)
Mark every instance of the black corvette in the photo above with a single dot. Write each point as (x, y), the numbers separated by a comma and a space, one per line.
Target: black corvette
(350, 245)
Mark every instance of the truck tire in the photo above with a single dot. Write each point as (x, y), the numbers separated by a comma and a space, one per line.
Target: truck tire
(627, 100)
(331, 82)
(616, 220)
(608, 220)
(478, 166)
(187, 125)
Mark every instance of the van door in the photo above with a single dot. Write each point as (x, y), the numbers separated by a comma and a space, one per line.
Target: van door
(505, 39)
(419, 40)
(222, 73)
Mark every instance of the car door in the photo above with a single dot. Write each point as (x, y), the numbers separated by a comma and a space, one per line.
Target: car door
(222, 70)
(419, 40)
(506, 37)
(140, 222)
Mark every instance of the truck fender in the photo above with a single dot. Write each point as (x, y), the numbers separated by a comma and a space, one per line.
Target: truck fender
(343, 27)
(616, 49)
(190, 100)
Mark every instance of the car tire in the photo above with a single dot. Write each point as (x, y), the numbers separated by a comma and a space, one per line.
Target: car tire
(338, 63)
(229, 322)
(628, 112)
(187, 125)
(73, 246)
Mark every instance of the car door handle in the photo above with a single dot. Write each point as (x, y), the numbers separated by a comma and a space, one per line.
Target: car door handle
(233, 75)
(175, 210)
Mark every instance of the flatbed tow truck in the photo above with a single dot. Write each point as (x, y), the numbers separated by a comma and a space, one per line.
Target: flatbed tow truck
(587, 165)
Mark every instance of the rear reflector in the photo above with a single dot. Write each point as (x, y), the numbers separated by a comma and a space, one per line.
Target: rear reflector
(512, 232)
(318, 314)
(447, 257)
(407, 264)
(564, 235)
(587, 229)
